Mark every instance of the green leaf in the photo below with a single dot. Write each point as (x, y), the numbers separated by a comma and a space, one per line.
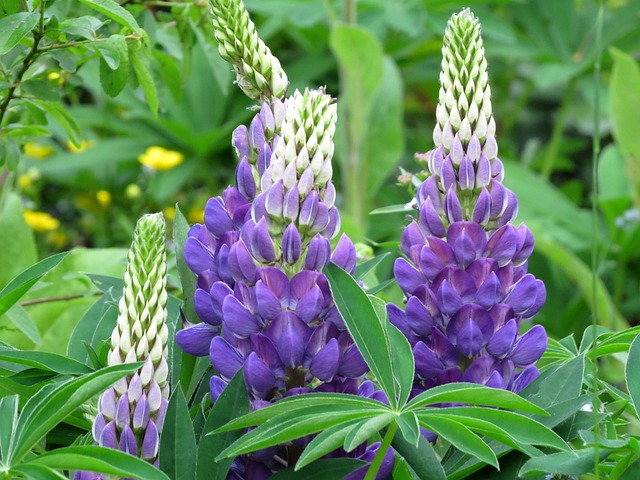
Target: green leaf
(40, 89)
(37, 472)
(140, 60)
(631, 375)
(27, 279)
(94, 326)
(624, 103)
(86, 26)
(365, 429)
(358, 313)
(233, 401)
(403, 208)
(21, 319)
(65, 119)
(364, 268)
(100, 460)
(187, 277)
(292, 425)
(325, 469)
(325, 442)
(14, 256)
(51, 362)
(564, 463)
(476, 395)
(460, 437)
(409, 427)
(8, 422)
(421, 458)
(111, 9)
(53, 403)
(384, 143)
(403, 363)
(520, 428)
(114, 65)
(177, 457)
(14, 27)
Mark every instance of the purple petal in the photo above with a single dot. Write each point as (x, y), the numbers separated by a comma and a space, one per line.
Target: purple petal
(196, 339)
(150, 442)
(123, 414)
(240, 141)
(291, 244)
(310, 305)
(523, 294)
(256, 132)
(407, 276)
(291, 205)
(318, 253)
(418, 317)
(128, 442)
(524, 378)
(489, 292)
(502, 244)
(141, 414)
(109, 436)
(197, 256)
(108, 404)
(216, 387)
(324, 365)
(241, 263)
(216, 217)
(529, 347)
(258, 376)
(502, 341)
(452, 207)
(430, 220)
(428, 365)
(466, 174)
(225, 358)
(449, 301)
(205, 309)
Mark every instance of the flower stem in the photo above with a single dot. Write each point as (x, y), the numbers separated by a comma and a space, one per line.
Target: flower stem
(382, 451)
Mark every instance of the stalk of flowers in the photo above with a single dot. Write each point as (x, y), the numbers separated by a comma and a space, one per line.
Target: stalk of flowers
(465, 276)
(131, 413)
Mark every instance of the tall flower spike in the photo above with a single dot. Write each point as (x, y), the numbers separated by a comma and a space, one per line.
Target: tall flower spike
(465, 276)
(131, 413)
(258, 71)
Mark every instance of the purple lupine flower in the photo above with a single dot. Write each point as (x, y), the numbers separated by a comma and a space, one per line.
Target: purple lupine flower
(465, 272)
(131, 413)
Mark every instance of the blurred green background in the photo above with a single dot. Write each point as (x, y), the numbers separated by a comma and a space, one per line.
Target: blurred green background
(84, 171)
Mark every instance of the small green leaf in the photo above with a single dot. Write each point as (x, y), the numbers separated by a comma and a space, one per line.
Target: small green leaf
(23, 321)
(86, 26)
(409, 427)
(50, 362)
(461, 437)
(41, 89)
(27, 279)
(364, 268)
(100, 460)
(111, 9)
(476, 395)
(14, 27)
(392, 209)
(177, 457)
(367, 332)
(365, 429)
(422, 459)
(65, 119)
(114, 65)
(325, 442)
(565, 463)
(631, 375)
(233, 401)
(140, 60)
(8, 422)
(403, 363)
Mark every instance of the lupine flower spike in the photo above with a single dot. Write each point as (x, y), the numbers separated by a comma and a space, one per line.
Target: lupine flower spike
(131, 413)
(258, 72)
(465, 276)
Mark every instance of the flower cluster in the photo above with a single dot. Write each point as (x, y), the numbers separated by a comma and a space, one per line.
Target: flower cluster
(131, 413)
(465, 276)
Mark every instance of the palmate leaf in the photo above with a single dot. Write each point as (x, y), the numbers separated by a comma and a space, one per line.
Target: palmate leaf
(476, 395)
(365, 429)
(98, 459)
(291, 425)
(8, 421)
(301, 403)
(422, 460)
(177, 456)
(564, 463)
(631, 376)
(54, 402)
(409, 427)
(38, 472)
(368, 333)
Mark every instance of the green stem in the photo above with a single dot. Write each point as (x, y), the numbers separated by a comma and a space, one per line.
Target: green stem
(594, 220)
(558, 129)
(382, 451)
(513, 115)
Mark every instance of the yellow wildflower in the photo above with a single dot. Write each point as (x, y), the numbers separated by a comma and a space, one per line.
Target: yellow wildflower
(56, 77)
(132, 191)
(41, 221)
(84, 145)
(159, 158)
(36, 150)
(57, 239)
(103, 197)
(195, 215)
(169, 213)
(25, 181)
